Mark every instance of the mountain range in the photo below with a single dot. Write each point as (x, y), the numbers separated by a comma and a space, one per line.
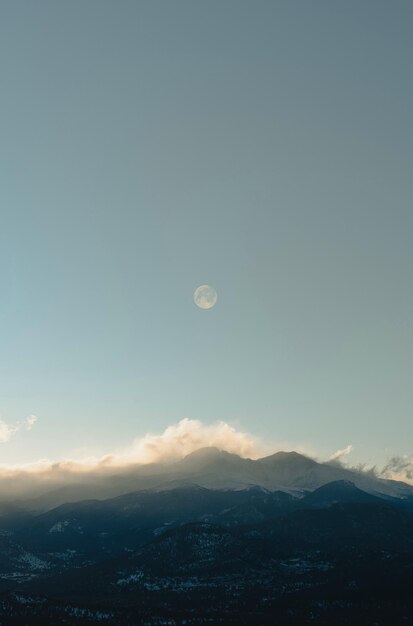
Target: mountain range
(207, 467)
(213, 538)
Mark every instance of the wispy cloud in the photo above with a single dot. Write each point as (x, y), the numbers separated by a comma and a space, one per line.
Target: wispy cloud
(30, 421)
(338, 454)
(399, 468)
(8, 430)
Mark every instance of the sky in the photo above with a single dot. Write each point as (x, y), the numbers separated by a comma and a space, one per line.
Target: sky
(149, 147)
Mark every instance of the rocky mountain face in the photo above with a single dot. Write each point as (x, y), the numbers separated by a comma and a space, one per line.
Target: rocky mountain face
(220, 539)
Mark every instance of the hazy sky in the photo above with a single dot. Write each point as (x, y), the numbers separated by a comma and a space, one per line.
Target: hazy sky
(148, 147)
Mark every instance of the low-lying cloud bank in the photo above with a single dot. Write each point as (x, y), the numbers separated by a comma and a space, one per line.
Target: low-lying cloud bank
(149, 453)
(173, 444)
(145, 454)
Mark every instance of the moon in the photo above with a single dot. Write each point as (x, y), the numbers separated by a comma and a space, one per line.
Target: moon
(205, 297)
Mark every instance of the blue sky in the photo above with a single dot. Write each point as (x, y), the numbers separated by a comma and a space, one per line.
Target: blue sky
(262, 147)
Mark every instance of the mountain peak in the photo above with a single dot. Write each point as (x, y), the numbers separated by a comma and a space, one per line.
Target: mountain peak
(208, 453)
(287, 457)
(210, 458)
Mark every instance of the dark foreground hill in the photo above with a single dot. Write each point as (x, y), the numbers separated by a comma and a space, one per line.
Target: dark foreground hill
(192, 555)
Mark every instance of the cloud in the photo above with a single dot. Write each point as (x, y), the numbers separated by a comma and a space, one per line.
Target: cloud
(187, 436)
(336, 456)
(7, 430)
(175, 442)
(399, 468)
(30, 421)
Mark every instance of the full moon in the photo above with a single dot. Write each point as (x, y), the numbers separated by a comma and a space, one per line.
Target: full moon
(205, 297)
